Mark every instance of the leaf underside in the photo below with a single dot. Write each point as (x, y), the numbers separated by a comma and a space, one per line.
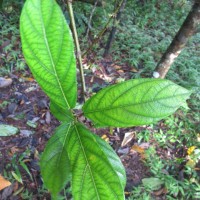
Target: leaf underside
(48, 48)
(135, 102)
(54, 163)
(97, 172)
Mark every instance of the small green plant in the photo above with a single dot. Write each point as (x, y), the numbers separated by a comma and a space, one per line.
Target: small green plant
(15, 165)
(9, 44)
(167, 174)
(74, 153)
(140, 193)
(144, 136)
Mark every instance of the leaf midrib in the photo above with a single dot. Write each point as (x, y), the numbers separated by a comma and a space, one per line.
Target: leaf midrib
(50, 56)
(87, 162)
(109, 107)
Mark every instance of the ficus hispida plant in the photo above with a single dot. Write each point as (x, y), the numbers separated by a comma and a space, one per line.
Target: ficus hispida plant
(74, 153)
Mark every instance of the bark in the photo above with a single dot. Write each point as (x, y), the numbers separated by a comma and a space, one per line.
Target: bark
(188, 29)
(114, 29)
(100, 3)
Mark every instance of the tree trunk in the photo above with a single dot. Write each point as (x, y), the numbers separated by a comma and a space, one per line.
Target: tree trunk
(188, 29)
(100, 3)
(114, 29)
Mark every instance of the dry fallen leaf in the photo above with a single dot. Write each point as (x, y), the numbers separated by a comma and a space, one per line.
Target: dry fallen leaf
(160, 192)
(138, 149)
(120, 71)
(127, 138)
(13, 150)
(191, 150)
(116, 66)
(5, 82)
(48, 117)
(30, 79)
(4, 183)
(127, 193)
(105, 137)
(133, 69)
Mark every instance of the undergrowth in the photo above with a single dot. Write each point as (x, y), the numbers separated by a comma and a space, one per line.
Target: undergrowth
(10, 47)
(173, 158)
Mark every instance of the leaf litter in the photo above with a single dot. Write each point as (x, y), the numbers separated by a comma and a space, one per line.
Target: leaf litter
(29, 104)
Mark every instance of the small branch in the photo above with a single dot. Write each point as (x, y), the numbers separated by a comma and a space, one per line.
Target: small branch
(90, 19)
(114, 29)
(101, 33)
(78, 50)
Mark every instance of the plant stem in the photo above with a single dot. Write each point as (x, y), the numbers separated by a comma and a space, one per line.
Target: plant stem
(114, 29)
(90, 19)
(78, 50)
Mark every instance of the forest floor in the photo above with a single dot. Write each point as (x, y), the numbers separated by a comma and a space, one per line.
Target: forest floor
(26, 107)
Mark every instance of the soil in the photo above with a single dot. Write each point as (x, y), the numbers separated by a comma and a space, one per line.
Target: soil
(24, 101)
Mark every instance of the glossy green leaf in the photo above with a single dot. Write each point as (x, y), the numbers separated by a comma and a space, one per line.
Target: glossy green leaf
(60, 113)
(135, 102)
(54, 163)
(97, 172)
(49, 51)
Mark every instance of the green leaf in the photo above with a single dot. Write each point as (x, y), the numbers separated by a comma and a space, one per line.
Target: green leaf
(6, 130)
(62, 114)
(24, 166)
(48, 48)
(152, 183)
(54, 163)
(17, 176)
(97, 172)
(135, 102)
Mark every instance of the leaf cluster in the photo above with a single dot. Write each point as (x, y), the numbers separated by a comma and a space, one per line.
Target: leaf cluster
(74, 153)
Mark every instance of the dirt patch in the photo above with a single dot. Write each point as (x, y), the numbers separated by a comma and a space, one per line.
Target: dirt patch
(26, 107)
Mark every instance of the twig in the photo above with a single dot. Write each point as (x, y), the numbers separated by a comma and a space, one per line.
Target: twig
(78, 50)
(114, 29)
(90, 19)
(103, 30)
